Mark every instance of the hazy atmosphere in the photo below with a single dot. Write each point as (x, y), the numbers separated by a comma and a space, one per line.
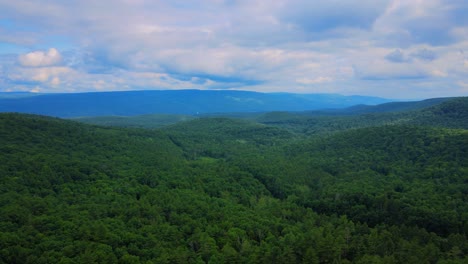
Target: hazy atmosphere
(387, 48)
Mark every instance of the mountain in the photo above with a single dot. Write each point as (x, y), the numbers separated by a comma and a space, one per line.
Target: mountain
(380, 108)
(446, 112)
(220, 190)
(11, 95)
(186, 102)
(440, 112)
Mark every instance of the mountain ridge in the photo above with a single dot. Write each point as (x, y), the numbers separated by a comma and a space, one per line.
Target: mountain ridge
(186, 102)
(437, 111)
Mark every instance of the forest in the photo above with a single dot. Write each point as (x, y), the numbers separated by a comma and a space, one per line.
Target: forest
(368, 187)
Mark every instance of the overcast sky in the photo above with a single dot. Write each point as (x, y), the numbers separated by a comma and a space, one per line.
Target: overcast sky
(390, 48)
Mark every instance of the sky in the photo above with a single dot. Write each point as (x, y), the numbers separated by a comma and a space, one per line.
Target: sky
(389, 48)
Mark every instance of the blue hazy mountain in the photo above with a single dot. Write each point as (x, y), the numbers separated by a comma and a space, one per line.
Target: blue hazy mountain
(187, 102)
(379, 108)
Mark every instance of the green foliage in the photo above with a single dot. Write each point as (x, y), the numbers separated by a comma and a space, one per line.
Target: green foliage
(447, 113)
(140, 121)
(218, 190)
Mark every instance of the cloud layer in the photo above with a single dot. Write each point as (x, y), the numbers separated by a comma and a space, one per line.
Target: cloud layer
(389, 48)
(40, 58)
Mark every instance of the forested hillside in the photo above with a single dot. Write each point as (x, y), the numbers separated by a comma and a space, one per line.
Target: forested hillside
(140, 121)
(449, 113)
(221, 190)
(440, 112)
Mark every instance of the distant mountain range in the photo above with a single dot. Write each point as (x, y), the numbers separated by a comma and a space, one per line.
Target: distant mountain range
(437, 112)
(186, 102)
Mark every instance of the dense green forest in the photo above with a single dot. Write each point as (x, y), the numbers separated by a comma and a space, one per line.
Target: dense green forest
(142, 121)
(439, 112)
(278, 188)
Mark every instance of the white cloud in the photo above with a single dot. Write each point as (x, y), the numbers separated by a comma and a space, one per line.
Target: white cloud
(284, 45)
(36, 89)
(40, 58)
(434, 22)
(55, 81)
(320, 79)
(41, 75)
(438, 73)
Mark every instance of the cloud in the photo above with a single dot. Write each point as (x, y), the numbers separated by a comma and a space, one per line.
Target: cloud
(370, 46)
(424, 54)
(39, 75)
(320, 79)
(438, 73)
(40, 58)
(463, 86)
(316, 17)
(394, 66)
(422, 21)
(396, 56)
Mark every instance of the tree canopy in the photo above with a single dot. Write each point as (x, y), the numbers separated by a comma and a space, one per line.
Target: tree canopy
(220, 190)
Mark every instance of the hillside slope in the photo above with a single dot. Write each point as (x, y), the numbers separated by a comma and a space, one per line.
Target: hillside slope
(141, 121)
(217, 190)
(321, 121)
(449, 113)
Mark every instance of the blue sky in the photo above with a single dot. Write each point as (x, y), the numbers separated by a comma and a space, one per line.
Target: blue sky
(390, 48)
